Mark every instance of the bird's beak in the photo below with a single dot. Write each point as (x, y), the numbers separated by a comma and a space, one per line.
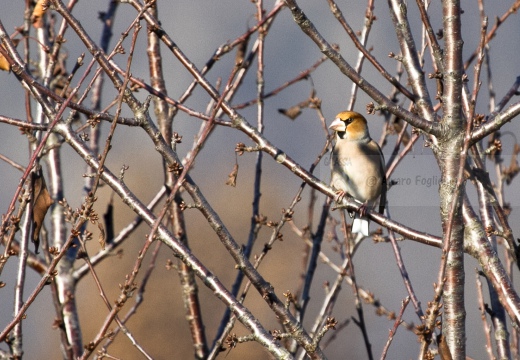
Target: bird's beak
(338, 125)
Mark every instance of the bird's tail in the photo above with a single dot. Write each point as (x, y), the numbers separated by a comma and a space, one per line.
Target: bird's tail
(360, 225)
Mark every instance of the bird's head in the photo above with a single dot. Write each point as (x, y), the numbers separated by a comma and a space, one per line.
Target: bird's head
(350, 125)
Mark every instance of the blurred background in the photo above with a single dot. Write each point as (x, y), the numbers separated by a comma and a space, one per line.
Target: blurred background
(199, 27)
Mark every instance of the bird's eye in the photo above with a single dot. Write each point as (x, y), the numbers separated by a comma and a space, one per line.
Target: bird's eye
(349, 120)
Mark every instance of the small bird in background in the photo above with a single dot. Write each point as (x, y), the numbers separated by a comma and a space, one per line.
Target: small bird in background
(358, 166)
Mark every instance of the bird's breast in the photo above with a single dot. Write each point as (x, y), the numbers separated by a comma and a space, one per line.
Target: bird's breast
(357, 170)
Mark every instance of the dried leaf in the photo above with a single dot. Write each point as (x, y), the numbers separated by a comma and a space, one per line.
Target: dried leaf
(38, 12)
(102, 236)
(444, 350)
(292, 112)
(232, 181)
(398, 127)
(241, 52)
(108, 217)
(510, 172)
(42, 201)
(4, 64)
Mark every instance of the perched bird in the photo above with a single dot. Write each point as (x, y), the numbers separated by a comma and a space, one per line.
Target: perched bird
(358, 166)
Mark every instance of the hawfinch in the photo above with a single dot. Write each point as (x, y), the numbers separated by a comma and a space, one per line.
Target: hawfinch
(358, 166)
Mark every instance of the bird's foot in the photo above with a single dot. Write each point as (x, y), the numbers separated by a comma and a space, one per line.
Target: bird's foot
(340, 195)
(363, 209)
(338, 199)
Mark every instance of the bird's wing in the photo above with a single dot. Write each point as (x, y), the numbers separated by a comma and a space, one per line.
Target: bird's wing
(382, 170)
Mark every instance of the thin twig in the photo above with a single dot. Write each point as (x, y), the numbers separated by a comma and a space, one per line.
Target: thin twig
(485, 325)
(360, 321)
(393, 331)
